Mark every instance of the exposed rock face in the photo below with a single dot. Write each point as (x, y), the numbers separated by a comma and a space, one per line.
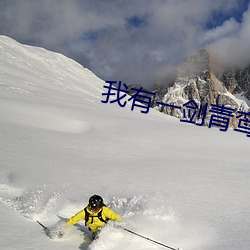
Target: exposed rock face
(237, 81)
(196, 81)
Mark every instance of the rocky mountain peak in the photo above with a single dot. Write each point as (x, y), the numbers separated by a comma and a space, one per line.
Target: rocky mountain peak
(197, 81)
(197, 64)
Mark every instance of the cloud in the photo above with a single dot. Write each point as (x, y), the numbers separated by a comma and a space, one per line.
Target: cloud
(133, 41)
(228, 28)
(232, 50)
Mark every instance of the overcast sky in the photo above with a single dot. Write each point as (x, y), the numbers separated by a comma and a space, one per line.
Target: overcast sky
(135, 41)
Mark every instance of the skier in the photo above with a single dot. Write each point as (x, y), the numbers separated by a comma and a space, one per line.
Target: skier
(95, 214)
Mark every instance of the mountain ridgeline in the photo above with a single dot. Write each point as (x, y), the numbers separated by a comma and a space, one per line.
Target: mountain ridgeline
(197, 80)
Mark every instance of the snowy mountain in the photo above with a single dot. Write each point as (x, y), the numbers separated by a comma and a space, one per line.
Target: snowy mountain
(183, 185)
(198, 80)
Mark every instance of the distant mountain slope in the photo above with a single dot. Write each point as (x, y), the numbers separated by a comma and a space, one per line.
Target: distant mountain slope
(33, 74)
(41, 68)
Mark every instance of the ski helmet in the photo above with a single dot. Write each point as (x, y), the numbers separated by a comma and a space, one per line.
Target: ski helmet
(95, 202)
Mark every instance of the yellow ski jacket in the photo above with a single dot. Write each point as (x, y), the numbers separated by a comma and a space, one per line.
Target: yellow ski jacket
(94, 223)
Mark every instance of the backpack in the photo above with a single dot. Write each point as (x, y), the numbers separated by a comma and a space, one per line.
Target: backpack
(88, 216)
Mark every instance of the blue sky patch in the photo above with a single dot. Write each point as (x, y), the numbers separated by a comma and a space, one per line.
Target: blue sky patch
(219, 17)
(136, 21)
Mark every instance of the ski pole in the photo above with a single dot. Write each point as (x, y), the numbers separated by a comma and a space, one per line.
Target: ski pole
(45, 228)
(146, 238)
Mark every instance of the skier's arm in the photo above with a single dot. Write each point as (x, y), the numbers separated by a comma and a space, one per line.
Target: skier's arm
(110, 214)
(77, 217)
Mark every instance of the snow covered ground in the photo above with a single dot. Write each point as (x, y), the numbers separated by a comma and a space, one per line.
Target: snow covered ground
(180, 184)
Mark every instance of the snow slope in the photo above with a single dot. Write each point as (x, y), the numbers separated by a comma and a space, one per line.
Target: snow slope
(183, 185)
